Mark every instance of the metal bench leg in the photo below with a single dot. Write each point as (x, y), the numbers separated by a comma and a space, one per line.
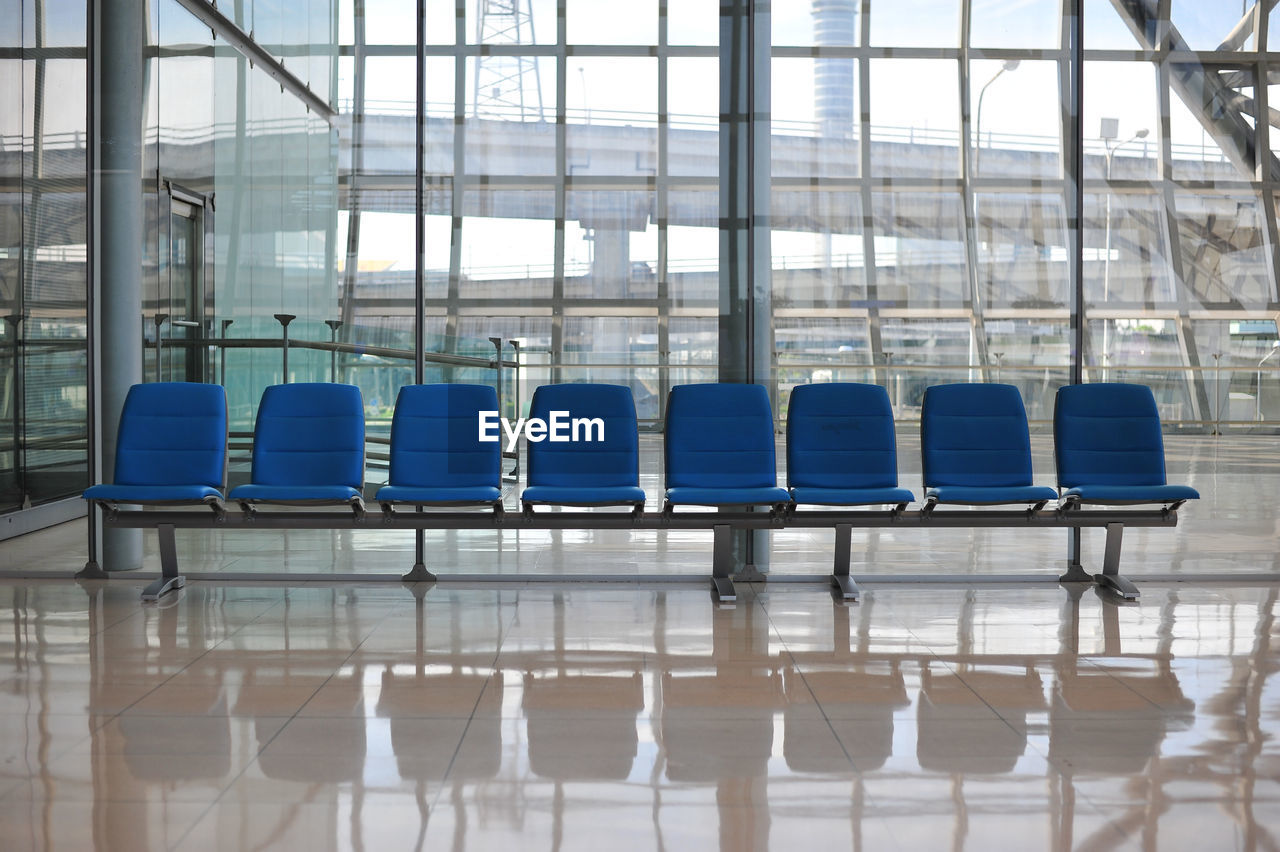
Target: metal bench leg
(419, 572)
(840, 573)
(170, 579)
(1110, 576)
(722, 563)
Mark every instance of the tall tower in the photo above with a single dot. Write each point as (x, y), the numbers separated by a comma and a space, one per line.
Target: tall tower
(833, 26)
(506, 87)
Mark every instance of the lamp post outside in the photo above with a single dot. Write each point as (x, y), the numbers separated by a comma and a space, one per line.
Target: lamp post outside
(1107, 134)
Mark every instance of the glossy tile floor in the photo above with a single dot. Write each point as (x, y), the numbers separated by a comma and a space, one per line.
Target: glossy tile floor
(360, 717)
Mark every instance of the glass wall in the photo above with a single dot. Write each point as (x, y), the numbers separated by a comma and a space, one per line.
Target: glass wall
(241, 199)
(920, 194)
(43, 168)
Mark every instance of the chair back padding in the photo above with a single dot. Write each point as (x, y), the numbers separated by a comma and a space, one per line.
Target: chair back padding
(974, 435)
(309, 433)
(1107, 434)
(435, 439)
(720, 436)
(173, 433)
(840, 435)
(615, 461)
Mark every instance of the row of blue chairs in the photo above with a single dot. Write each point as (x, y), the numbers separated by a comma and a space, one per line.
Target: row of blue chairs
(309, 445)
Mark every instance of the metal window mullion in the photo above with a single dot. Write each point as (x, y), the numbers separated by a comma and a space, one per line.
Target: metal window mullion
(977, 329)
(561, 190)
(661, 197)
(457, 193)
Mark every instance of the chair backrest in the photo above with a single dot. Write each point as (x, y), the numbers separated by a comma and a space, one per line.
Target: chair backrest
(720, 436)
(309, 433)
(1107, 434)
(435, 438)
(173, 433)
(974, 435)
(586, 461)
(840, 435)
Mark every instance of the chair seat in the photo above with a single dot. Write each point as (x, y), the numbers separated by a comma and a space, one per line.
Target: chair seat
(112, 493)
(991, 494)
(294, 493)
(427, 496)
(850, 496)
(564, 495)
(688, 496)
(1132, 493)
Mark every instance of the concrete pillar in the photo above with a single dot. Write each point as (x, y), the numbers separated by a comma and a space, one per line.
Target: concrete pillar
(120, 91)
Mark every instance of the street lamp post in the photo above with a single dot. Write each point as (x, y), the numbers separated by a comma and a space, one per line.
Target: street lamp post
(1257, 391)
(1009, 65)
(1107, 134)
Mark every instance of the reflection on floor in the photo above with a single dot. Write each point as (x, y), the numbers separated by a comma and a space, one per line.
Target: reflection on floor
(365, 717)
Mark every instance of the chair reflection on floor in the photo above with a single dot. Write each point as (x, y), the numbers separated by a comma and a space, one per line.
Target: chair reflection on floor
(945, 743)
(149, 740)
(700, 744)
(865, 698)
(453, 695)
(339, 758)
(602, 707)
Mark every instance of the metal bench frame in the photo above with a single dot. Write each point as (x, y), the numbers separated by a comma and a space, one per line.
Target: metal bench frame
(721, 524)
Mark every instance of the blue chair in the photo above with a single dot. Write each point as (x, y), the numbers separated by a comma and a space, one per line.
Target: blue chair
(437, 458)
(720, 447)
(171, 448)
(976, 447)
(591, 469)
(308, 447)
(171, 451)
(720, 452)
(1108, 447)
(841, 451)
(1109, 450)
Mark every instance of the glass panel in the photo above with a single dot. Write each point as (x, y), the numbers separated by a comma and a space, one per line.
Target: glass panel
(818, 252)
(1126, 253)
(693, 248)
(385, 21)
(611, 245)
(1028, 24)
(617, 135)
(921, 23)
(1022, 250)
(1121, 124)
(1016, 118)
(507, 236)
(511, 22)
(696, 22)
(592, 22)
(1032, 354)
(1106, 28)
(818, 137)
(923, 352)
(915, 118)
(1242, 354)
(1211, 126)
(693, 116)
(510, 115)
(919, 247)
(1206, 26)
(1224, 257)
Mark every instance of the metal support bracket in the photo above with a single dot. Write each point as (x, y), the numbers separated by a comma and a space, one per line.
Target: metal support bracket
(840, 571)
(170, 579)
(1110, 576)
(419, 574)
(722, 563)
